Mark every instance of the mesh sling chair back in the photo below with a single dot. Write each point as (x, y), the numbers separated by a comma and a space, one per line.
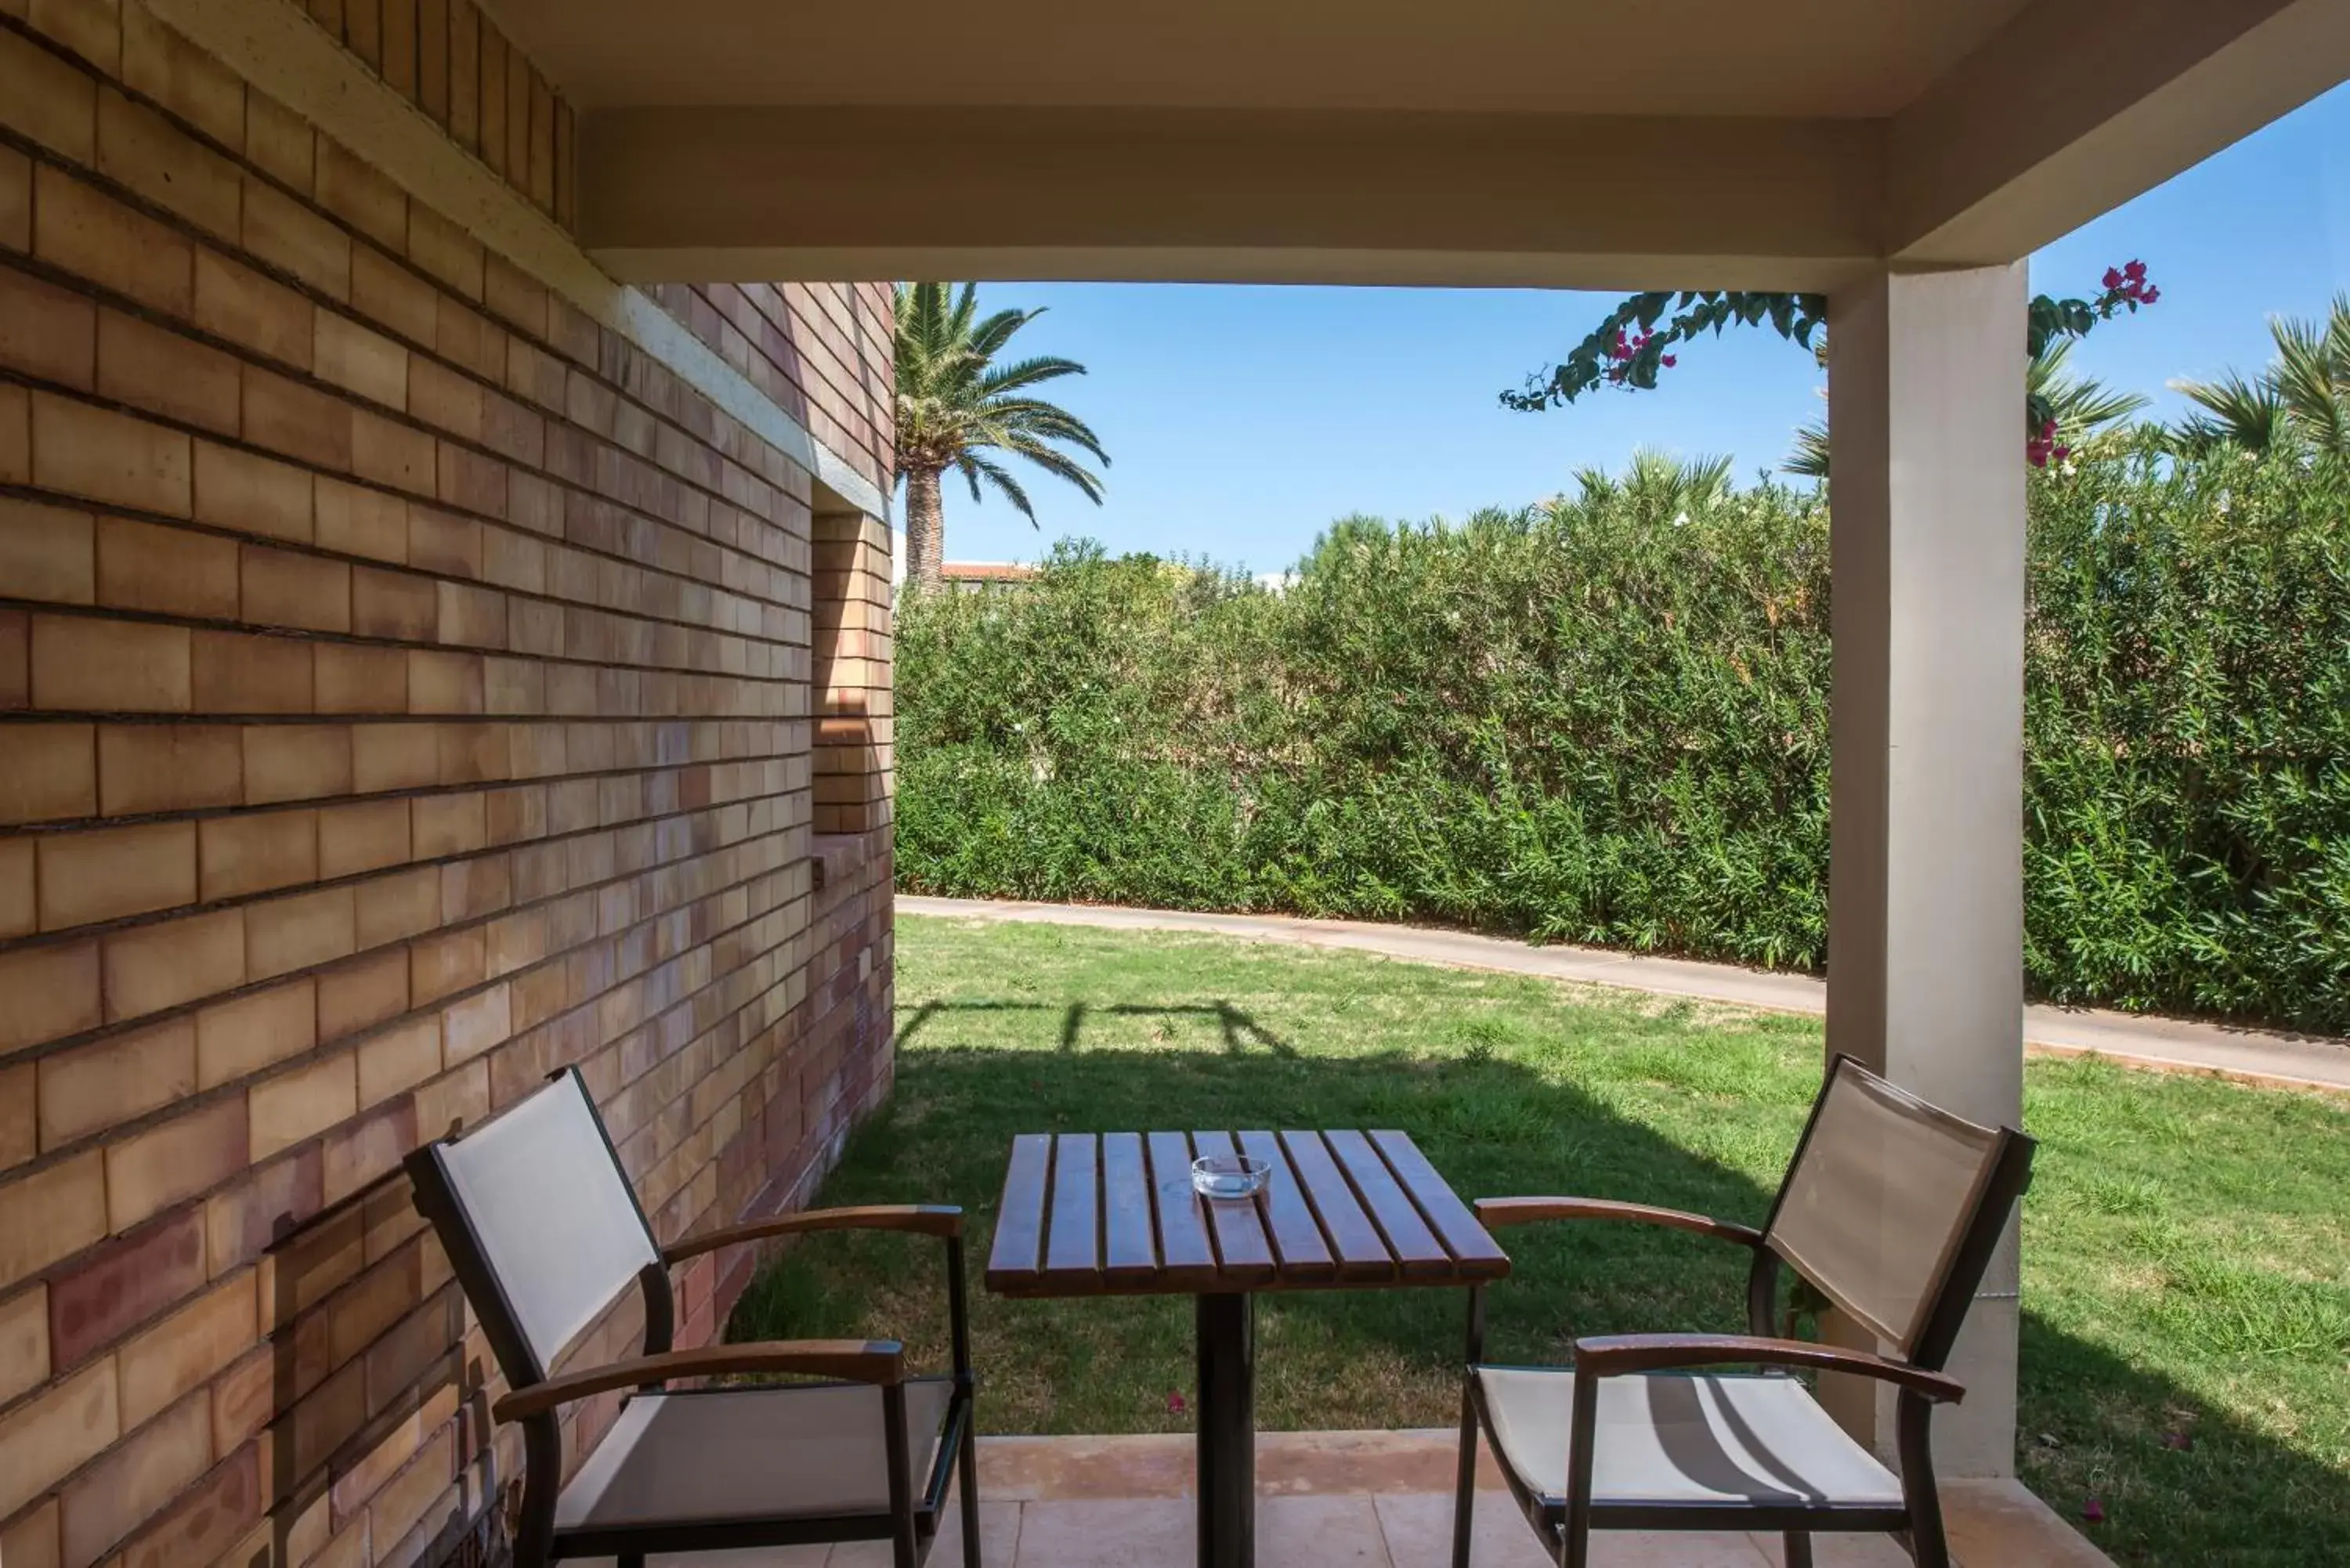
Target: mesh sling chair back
(545, 1233)
(1890, 1209)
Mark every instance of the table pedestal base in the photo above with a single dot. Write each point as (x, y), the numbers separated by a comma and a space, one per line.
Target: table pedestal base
(1227, 1456)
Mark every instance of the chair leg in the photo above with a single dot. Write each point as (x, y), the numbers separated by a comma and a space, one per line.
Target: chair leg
(1798, 1548)
(970, 1488)
(1465, 1494)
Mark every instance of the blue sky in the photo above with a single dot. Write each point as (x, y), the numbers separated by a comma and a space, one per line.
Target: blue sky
(1240, 421)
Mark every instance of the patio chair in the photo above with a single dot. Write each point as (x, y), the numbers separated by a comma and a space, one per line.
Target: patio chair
(543, 1233)
(1890, 1209)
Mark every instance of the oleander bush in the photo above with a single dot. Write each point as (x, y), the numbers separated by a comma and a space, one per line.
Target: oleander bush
(1604, 720)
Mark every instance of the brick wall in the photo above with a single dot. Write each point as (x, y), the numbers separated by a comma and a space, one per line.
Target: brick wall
(404, 691)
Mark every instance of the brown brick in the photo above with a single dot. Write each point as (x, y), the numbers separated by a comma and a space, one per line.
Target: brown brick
(185, 80)
(258, 852)
(168, 168)
(390, 907)
(134, 1480)
(98, 1086)
(16, 201)
(155, 369)
(296, 761)
(514, 686)
(471, 617)
(15, 435)
(206, 1522)
(19, 913)
(304, 1103)
(481, 886)
(109, 457)
(261, 1208)
(361, 195)
(365, 835)
(472, 753)
(445, 682)
(97, 238)
(361, 522)
(354, 679)
(362, 993)
(278, 142)
(362, 1154)
(150, 967)
(107, 666)
(238, 1038)
(284, 587)
(90, 28)
(387, 453)
(398, 1059)
(46, 331)
(360, 361)
(53, 991)
(288, 934)
(150, 1171)
(47, 553)
(391, 296)
(471, 480)
(251, 495)
(168, 767)
(244, 1396)
(299, 420)
(46, 98)
(25, 1344)
(454, 1101)
(50, 1436)
(87, 878)
(234, 302)
(242, 673)
(443, 964)
(394, 756)
(16, 658)
(472, 1026)
(184, 1351)
(449, 545)
(448, 825)
(171, 571)
(444, 398)
(396, 605)
(46, 772)
(124, 1284)
(284, 233)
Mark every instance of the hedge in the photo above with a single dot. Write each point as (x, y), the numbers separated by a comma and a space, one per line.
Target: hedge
(1605, 720)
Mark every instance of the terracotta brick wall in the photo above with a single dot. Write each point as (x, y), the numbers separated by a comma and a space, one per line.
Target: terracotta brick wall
(404, 691)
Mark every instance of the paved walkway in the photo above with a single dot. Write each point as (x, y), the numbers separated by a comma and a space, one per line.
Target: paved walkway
(2166, 1043)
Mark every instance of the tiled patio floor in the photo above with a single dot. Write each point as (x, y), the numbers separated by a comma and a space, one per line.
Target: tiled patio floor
(1362, 1499)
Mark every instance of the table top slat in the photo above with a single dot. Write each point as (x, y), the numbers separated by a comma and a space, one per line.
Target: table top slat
(1186, 1258)
(1241, 1242)
(1020, 1218)
(1073, 1239)
(1474, 1251)
(1130, 1242)
(1414, 1246)
(1297, 1244)
(1362, 1252)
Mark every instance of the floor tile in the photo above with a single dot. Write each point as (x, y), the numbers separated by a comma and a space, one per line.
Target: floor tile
(1090, 1533)
(1419, 1528)
(1319, 1532)
(999, 1534)
(1842, 1551)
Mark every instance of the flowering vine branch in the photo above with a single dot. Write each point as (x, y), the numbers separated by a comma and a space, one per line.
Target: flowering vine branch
(1634, 342)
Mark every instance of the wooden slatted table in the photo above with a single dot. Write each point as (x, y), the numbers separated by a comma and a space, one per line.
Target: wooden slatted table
(1115, 1215)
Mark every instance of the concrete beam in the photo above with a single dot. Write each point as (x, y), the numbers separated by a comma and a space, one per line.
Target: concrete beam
(1240, 195)
(2076, 106)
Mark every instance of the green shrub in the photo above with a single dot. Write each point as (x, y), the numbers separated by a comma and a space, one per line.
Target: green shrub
(1604, 720)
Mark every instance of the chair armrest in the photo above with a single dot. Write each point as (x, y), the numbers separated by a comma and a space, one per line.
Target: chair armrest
(940, 1219)
(1494, 1212)
(1606, 1356)
(880, 1361)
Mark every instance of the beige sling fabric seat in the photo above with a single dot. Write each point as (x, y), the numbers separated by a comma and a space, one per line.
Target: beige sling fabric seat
(1890, 1209)
(545, 1235)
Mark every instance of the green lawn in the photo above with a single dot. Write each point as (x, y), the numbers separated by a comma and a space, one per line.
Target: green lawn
(2187, 1257)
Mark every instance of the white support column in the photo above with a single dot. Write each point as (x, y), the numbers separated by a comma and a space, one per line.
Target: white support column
(1926, 882)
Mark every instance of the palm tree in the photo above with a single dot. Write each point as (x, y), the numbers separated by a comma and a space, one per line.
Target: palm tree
(2081, 405)
(2302, 398)
(956, 405)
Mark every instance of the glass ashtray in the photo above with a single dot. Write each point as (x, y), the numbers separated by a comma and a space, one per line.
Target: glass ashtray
(1229, 1175)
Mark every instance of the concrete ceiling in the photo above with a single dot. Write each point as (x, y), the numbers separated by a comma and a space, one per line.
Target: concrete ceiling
(1836, 58)
(1599, 143)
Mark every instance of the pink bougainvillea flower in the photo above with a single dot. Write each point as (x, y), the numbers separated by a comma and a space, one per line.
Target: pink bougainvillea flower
(1175, 1405)
(2150, 295)
(1670, 361)
(2092, 1512)
(2134, 271)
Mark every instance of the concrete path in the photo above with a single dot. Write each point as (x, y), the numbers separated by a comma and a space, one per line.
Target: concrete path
(2166, 1043)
